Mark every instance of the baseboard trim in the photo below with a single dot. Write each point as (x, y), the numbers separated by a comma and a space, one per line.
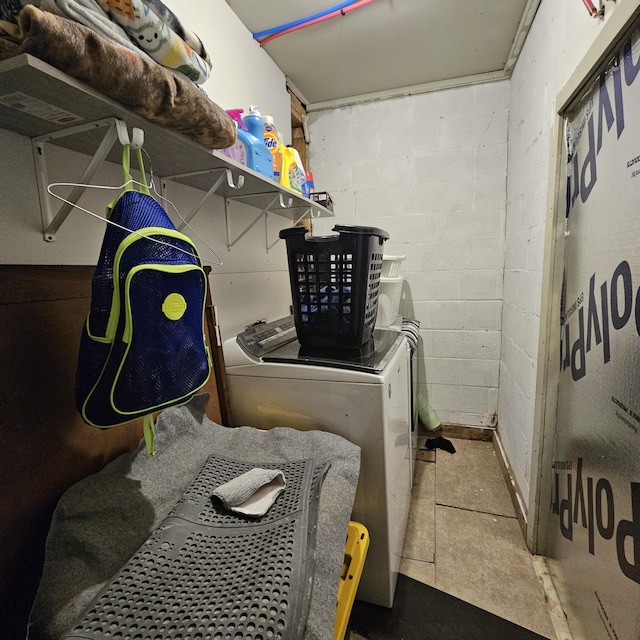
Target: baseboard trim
(554, 606)
(512, 485)
(465, 432)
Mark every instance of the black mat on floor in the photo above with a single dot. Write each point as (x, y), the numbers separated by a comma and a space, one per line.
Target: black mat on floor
(421, 612)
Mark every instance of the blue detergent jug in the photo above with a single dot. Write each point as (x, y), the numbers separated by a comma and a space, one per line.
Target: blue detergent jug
(261, 156)
(250, 148)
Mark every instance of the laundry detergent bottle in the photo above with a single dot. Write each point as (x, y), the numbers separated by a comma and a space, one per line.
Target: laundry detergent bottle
(292, 174)
(253, 149)
(272, 140)
(238, 150)
(255, 122)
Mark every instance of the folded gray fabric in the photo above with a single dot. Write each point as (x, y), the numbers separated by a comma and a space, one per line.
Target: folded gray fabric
(102, 520)
(252, 493)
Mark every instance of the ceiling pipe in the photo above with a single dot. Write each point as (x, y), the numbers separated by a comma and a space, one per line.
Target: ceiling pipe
(295, 23)
(308, 23)
(591, 8)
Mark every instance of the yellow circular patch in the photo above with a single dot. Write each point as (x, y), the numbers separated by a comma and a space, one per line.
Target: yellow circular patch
(174, 306)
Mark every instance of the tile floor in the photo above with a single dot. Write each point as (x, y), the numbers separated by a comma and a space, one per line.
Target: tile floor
(463, 537)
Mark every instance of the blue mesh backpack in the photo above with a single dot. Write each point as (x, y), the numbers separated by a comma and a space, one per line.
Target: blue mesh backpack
(142, 347)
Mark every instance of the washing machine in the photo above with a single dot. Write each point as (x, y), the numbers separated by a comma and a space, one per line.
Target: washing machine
(364, 395)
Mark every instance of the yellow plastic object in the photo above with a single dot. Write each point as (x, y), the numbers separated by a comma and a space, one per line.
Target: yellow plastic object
(174, 306)
(291, 169)
(355, 552)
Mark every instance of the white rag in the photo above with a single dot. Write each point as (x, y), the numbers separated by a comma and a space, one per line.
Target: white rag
(251, 493)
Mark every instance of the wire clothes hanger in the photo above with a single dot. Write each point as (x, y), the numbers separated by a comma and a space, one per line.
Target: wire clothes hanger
(130, 183)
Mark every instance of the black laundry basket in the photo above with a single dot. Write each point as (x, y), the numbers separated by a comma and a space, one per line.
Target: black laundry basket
(334, 284)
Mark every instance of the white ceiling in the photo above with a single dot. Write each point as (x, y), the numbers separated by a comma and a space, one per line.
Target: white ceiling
(389, 45)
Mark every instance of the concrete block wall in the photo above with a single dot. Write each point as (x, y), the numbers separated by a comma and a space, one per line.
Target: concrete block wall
(431, 170)
(561, 33)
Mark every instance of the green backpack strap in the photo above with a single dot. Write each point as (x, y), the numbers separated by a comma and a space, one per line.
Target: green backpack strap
(149, 430)
(144, 187)
(128, 178)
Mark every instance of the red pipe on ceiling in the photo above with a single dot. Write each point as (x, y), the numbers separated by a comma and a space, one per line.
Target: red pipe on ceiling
(590, 7)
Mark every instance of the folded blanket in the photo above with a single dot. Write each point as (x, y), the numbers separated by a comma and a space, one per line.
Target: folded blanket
(9, 10)
(167, 16)
(10, 30)
(139, 84)
(156, 38)
(9, 40)
(88, 13)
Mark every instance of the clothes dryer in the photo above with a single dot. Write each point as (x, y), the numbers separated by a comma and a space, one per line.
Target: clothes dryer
(363, 395)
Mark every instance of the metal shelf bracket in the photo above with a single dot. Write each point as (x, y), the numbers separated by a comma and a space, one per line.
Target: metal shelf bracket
(307, 214)
(221, 175)
(279, 198)
(116, 131)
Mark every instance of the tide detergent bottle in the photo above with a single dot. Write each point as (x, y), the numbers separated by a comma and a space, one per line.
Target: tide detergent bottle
(272, 140)
(250, 148)
(293, 174)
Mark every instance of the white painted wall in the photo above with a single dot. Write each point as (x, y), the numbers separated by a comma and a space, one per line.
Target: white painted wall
(252, 283)
(561, 34)
(431, 170)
